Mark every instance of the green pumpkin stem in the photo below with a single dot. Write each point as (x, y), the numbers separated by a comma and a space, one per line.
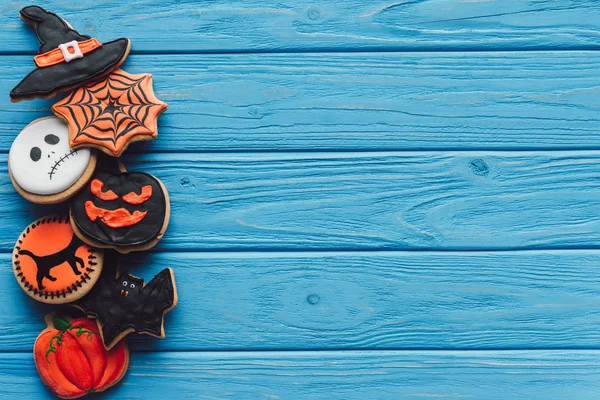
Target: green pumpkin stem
(63, 326)
(60, 323)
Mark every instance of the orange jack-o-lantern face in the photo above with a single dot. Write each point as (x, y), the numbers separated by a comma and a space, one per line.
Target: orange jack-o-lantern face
(121, 208)
(120, 217)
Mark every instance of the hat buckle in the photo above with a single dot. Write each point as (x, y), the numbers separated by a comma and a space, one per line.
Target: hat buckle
(65, 47)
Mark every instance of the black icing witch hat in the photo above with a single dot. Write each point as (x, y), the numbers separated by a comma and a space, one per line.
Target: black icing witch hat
(66, 59)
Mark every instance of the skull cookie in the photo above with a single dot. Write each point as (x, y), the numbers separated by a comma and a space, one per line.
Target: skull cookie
(43, 167)
(126, 211)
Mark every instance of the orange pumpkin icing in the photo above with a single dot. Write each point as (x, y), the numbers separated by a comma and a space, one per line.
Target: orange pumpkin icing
(72, 361)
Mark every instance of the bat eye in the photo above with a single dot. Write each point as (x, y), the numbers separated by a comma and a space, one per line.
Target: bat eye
(124, 283)
(132, 286)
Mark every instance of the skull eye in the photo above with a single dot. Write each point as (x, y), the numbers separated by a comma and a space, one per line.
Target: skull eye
(96, 188)
(134, 198)
(35, 154)
(51, 139)
(124, 283)
(132, 286)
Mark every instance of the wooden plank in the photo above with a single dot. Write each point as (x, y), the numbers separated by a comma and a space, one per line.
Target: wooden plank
(359, 201)
(383, 101)
(396, 300)
(485, 375)
(255, 25)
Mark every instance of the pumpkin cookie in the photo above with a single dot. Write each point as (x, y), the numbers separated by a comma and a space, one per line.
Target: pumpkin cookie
(113, 113)
(123, 303)
(43, 167)
(52, 265)
(66, 58)
(72, 361)
(125, 211)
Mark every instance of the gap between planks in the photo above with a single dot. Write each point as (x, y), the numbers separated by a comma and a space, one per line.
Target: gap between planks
(312, 252)
(354, 351)
(333, 50)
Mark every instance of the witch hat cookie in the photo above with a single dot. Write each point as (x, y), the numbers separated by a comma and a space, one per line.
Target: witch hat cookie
(66, 58)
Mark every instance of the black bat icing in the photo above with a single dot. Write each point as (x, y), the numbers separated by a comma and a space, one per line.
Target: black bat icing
(124, 304)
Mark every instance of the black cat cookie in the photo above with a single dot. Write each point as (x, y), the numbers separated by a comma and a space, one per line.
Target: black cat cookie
(123, 303)
(125, 211)
(66, 59)
(52, 265)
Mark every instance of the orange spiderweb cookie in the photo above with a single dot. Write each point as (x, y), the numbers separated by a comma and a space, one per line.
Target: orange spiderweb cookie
(112, 113)
(52, 264)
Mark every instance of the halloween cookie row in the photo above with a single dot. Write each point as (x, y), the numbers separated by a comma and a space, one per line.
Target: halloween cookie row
(54, 159)
(110, 207)
(53, 266)
(73, 156)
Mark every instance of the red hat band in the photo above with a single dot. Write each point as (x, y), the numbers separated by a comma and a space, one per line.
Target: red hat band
(66, 52)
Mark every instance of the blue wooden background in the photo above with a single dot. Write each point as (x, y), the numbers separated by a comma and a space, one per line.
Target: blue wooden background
(371, 199)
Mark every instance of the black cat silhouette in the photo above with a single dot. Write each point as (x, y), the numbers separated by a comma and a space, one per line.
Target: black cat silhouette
(45, 263)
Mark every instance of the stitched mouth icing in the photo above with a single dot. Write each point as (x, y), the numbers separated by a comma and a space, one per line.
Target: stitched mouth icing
(58, 162)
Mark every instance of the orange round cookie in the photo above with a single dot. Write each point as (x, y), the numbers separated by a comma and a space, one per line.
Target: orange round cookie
(52, 265)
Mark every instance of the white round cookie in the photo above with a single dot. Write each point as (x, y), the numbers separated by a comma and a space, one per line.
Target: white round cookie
(42, 162)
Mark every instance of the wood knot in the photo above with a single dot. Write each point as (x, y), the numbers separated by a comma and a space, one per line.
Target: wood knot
(185, 182)
(313, 299)
(313, 14)
(479, 167)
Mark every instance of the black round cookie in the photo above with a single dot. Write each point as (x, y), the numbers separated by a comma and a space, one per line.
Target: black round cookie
(121, 210)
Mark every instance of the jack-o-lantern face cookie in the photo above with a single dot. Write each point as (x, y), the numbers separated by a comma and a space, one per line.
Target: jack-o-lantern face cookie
(127, 211)
(52, 264)
(43, 167)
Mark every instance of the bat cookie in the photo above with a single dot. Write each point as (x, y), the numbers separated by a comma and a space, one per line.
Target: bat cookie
(126, 211)
(66, 59)
(42, 166)
(71, 359)
(113, 113)
(52, 265)
(123, 303)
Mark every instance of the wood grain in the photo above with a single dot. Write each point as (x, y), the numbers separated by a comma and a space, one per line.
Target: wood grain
(294, 25)
(485, 375)
(302, 166)
(375, 101)
(360, 201)
(395, 300)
